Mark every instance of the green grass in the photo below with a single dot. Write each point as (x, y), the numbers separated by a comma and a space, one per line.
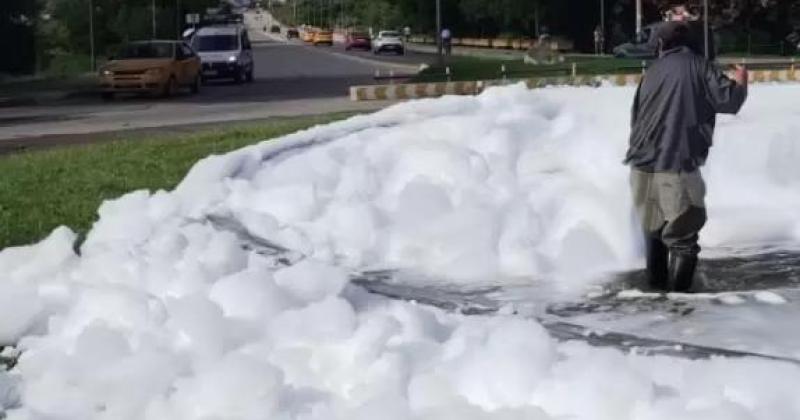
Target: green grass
(41, 190)
(68, 65)
(473, 68)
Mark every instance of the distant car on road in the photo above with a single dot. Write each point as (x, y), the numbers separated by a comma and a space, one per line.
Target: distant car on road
(308, 35)
(359, 40)
(155, 67)
(292, 33)
(226, 52)
(388, 41)
(275, 29)
(323, 37)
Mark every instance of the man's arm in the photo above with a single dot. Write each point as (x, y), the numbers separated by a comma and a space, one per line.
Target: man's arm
(635, 107)
(726, 95)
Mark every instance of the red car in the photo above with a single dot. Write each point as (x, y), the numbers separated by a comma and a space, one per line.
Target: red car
(358, 40)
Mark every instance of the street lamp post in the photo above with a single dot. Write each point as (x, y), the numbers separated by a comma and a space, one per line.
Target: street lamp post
(603, 26)
(638, 20)
(439, 31)
(705, 29)
(154, 19)
(91, 34)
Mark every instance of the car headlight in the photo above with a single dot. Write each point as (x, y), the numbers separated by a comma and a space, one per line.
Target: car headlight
(153, 72)
(232, 59)
(107, 73)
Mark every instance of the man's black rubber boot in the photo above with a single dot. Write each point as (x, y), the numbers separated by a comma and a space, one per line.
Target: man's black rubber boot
(657, 269)
(681, 271)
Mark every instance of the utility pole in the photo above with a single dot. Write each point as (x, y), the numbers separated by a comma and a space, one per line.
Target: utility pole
(91, 34)
(639, 20)
(154, 19)
(178, 20)
(705, 29)
(439, 32)
(536, 18)
(294, 22)
(602, 26)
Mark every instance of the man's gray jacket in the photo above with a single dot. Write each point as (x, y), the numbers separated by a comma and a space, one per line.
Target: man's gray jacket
(674, 112)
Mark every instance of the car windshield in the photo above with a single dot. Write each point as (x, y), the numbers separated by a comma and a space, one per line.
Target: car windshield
(216, 43)
(147, 50)
(359, 35)
(390, 35)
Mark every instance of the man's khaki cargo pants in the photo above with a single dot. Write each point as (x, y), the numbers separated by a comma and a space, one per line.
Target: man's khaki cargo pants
(671, 207)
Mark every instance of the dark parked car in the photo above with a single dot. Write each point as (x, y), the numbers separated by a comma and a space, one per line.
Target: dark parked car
(275, 29)
(644, 48)
(358, 40)
(292, 33)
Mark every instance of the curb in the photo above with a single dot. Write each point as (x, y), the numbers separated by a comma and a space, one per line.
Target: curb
(13, 101)
(414, 90)
(435, 90)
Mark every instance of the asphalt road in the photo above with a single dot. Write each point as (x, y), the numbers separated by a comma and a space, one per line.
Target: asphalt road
(290, 79)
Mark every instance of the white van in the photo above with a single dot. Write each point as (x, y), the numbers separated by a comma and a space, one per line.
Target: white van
(225, 51)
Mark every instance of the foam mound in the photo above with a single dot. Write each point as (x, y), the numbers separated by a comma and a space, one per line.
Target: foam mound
(164, 316)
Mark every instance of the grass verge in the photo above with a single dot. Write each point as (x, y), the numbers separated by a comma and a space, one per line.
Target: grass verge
(473, 68)
(42, 190)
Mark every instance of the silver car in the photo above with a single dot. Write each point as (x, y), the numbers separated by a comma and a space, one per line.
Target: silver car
(225, 51)
(388, 41)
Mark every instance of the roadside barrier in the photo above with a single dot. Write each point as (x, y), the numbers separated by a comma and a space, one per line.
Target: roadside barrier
(433, 90)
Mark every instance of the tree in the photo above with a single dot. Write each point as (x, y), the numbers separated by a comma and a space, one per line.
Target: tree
(17, 34)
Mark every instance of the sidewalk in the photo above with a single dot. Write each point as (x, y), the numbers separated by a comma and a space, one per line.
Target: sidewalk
(30, 93)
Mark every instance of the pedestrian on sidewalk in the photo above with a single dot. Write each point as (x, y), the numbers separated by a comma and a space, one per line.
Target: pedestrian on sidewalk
(447, 42)
(672, 126)
(599, 40)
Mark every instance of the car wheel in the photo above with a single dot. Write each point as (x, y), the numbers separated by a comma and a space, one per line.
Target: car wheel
(240, 76)
(401, 52)
(107, 96)
(196, 84)
(250, 76)
(170, 87)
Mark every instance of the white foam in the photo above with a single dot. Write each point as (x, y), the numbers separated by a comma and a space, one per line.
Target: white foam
(162, 316)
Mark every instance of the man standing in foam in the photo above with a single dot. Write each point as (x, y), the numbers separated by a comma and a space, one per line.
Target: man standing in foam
(672, 127)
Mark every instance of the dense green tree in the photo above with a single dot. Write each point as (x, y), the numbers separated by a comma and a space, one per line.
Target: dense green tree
(37, 29)
(17, 35)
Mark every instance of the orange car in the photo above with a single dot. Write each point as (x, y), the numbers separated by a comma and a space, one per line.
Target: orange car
(308, 35)
(323, 37)
(154, 67)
